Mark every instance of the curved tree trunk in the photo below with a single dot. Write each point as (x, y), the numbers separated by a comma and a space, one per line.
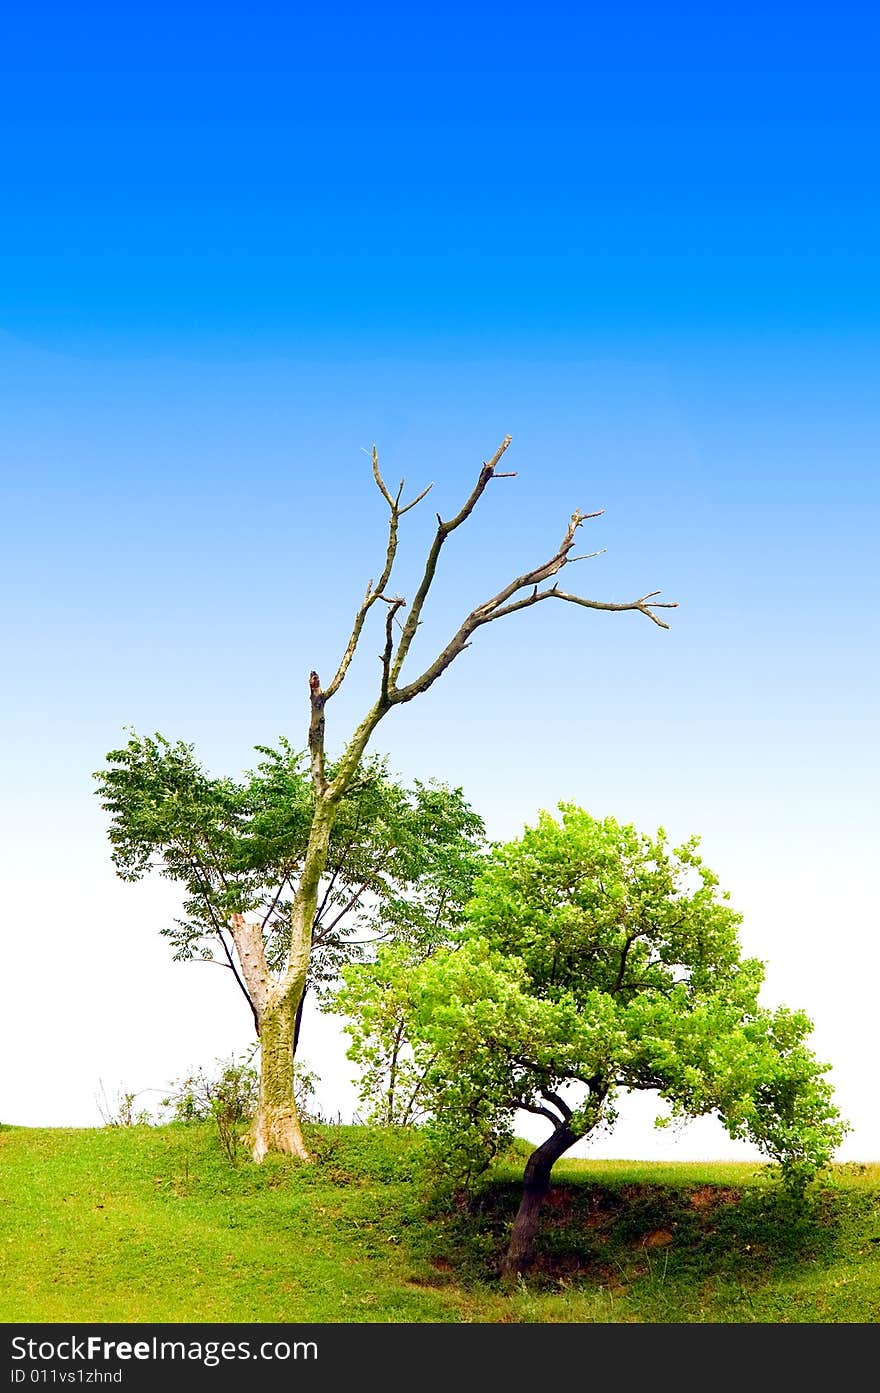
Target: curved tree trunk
(536, 1182)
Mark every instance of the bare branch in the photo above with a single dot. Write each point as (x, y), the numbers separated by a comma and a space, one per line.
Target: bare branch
(557, 1102)
(373, 593)
(443, 531)
(380, 482)
(393, 606)
(324, 936)
(642, 605)
(497, 607)
(424, 493)
(274, 901)
(540, 573)
(538, 1111)
(316, 733)
(554, 593)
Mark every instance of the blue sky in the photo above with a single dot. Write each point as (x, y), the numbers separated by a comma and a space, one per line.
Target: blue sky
(237, 249)
(279, 179)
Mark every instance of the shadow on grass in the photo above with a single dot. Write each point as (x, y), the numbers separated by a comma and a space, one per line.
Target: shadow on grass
(618, 1236)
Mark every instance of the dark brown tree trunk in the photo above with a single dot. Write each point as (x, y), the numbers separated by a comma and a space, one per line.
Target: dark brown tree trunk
(297, 1027)
(536, 1182)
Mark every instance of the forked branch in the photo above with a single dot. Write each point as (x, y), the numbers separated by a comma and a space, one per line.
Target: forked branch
(444, 529)
(374, 593)
(385, 657)
(523, 591)
(505, 603)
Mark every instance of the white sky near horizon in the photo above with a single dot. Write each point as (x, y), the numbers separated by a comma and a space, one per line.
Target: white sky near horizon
(130, 1020)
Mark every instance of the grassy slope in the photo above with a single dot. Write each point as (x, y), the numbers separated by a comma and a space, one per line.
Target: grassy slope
(153, 1224)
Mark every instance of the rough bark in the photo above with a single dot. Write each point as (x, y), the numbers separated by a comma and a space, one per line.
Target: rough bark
(276, 1124)
(536, 1182)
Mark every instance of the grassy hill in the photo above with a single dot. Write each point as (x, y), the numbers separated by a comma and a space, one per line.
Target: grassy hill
(154, 1224)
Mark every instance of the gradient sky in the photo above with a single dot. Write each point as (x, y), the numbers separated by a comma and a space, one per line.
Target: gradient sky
(236, 249)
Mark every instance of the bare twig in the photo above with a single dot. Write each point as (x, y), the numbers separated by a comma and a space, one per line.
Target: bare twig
(374, 593)
(504, 603)
(444, 529)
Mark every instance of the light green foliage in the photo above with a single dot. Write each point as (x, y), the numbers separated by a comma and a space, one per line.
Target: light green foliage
(596, 959)
(401, 865)
(377, 1003)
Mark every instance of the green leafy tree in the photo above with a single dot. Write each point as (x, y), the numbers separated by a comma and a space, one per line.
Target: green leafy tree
(596, 960)
(401, 861)
(277, 996)
(393, 1083)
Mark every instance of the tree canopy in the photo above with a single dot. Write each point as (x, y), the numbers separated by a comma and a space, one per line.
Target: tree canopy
(594, 960)
(401, 862)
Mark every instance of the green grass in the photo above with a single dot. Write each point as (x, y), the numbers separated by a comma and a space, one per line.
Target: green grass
(153, 1224)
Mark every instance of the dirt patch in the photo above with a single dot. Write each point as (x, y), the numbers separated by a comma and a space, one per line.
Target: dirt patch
(660, 1238)
(558, 1198)
(562, 1264)
(711, 1196)
(569, 1205)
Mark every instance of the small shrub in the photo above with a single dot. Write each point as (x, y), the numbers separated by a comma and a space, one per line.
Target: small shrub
(229, 1098)
(120, 1111)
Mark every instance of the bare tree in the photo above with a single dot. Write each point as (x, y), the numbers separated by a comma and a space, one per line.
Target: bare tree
(276, 1000)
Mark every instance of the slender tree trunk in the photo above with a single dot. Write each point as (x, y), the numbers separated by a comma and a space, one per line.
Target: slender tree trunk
(392, 1077)
(276, 1125)
(536, 1182)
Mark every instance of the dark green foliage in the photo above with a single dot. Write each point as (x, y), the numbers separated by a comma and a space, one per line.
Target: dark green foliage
(401, 863)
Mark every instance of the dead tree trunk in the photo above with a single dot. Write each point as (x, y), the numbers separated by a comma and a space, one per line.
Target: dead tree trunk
(276, 1126)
